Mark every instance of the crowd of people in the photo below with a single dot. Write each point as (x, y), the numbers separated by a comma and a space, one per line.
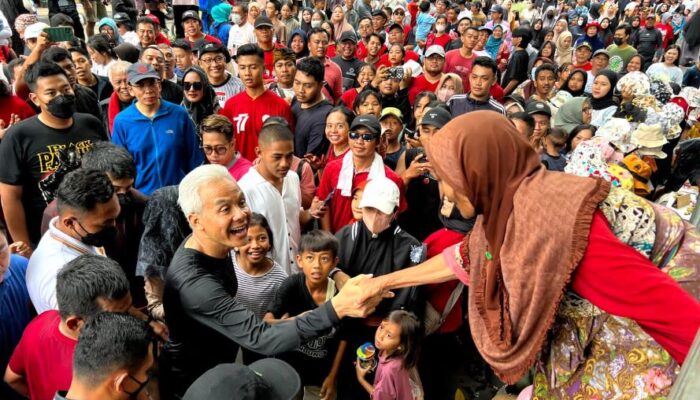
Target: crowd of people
(348, 199)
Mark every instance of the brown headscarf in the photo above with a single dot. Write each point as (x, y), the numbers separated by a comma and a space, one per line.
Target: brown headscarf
(531, 233)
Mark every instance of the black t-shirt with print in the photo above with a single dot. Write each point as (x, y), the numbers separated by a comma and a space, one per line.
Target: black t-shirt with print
(29, 153)
(313, 359)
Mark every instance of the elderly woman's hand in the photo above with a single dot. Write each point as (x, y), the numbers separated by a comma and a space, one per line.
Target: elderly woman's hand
(359, 297)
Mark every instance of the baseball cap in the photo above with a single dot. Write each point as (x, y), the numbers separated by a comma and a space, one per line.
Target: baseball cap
(368, 121)
(485, 28)
(208, 47)
(190, 14)
(153, 18)
(33, 30)
(435, 49)
(601, 51)
(391, 112)
(538, 107)
(262, 21)
(268, 378)
(631, 6)
(437, 117)
(496, 8)
(121, 17)
(378, 13)
(140, 71)
(348, 36)
(394, 26)
(61, 19)
(584, 44)
(381, 193)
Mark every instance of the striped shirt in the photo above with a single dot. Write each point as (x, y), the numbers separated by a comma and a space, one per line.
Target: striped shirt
(257, 292)
(228, 89)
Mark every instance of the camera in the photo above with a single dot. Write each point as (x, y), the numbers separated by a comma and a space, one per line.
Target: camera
(396, 73)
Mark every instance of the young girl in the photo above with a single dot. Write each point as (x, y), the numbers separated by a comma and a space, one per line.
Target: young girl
(396, 378)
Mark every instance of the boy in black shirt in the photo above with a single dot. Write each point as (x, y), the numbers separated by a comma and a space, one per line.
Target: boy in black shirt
(518, 66)
(318, 360)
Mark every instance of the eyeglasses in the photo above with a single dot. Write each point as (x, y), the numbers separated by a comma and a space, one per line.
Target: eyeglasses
(217, 59)
(366, 137)
(219, 150)
(399, 13)
(192, 85)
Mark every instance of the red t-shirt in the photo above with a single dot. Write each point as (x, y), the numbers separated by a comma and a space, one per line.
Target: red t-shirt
(586, 67)
(439, 294)
(248, 114)
(14, 105)
(410, 55)
(454, 62)
(340, 207)
(420, 84)
(207, 38)
(162, 39)
(44, 357)
(413, 10)
(330, 53)
(441, 41)
(269, 73)
(349, 97)
(361, 52)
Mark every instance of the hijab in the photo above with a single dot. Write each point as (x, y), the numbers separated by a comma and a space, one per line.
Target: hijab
(537, 35)
(209, 103)
(342, 27)
(607, 100)
(605, 35)
(570, 114)
(493, 44)
(110, 22)
(580, 92)
(518, 275)
(564, 55)
(299, 32)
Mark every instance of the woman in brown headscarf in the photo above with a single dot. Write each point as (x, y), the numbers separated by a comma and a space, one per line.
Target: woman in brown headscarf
(551, 250)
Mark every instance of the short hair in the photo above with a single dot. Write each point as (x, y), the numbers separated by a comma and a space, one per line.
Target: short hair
(625, 27)
(42, 69)
(86, 280)
(146, 20)
(472, 28)
(56, 54)
(109, 342)
(111, 159)
(376, 35)
(547, 67)
(100, 43)
(424, 6)
(319, 240)
(17, 62)
(277, 4)
(118, 66)
(80, 51)
(150, 47)
(313, 67)
(189, 198)
(315, 31)
(216, 123)
(283, 54)
(260, 220)
(275, 133)
(276, 120)
(251, 49)
(527, 119)
(182, 44)
(83, 189)
(486, 62)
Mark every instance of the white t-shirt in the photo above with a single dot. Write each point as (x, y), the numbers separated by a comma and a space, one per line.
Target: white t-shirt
(240, 35)
(55, 249)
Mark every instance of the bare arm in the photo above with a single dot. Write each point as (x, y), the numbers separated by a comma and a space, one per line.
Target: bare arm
(16, 382)
(11, 197)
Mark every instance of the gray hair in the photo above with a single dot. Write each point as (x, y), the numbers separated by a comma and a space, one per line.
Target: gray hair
(188, 192)
(118, 66)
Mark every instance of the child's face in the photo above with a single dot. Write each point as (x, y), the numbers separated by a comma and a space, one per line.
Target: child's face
(388, 336)
(316, 265)
(258, 245)
(356, 210)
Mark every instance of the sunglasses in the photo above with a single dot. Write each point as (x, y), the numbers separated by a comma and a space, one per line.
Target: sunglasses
(220, 149)
(192, 85)
(364, 136)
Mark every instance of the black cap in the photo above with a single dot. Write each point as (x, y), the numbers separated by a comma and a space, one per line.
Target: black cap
(262, 21)
(538, 107)
(190, 14)
(269, 379)
(394, 26)
(121, 17)
(348, 36)
(368, 121)
(378, 13)
(207, 47)
(437, 117)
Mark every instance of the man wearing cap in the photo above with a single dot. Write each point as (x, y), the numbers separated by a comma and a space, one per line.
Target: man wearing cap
(582, 57)
(396, 36)
(591, 36)
(517, 70)
(241, 31)
(361, 163)
(154, 56)
(213, 58)
(248, 109)
(192, 26)
(125, 26)
(398, 16)
(333, 75)
(481, 81)
(620, 51)
(347, 61)
(497, 19)
(31, 34)
(599, 62)
(159, 135)
(460, 60)
(379, 22)
(433, 64)
(649, 42)
(542, 115)
(391, 121)
(263, 35)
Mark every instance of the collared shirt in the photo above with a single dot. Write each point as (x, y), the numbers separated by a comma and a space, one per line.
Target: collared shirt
(282, 213)
(54, 251)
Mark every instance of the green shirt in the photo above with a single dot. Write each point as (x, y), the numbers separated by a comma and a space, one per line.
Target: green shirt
(619, 57)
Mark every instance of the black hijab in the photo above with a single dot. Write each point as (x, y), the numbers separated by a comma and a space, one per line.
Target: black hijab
(537, 34)
(208, 105)
(607, 100)
(580, 92)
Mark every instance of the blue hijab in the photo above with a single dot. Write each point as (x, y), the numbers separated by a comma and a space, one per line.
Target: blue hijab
(492, 45)
(301, 33)
(110, 22)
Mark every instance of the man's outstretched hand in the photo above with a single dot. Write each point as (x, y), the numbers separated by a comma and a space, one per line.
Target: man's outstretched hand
(359, 297)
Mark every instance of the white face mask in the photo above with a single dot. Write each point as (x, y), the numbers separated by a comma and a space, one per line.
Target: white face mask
(315, 24)
(440, 28)
(444, 94)
(375, 220)
(236, 19)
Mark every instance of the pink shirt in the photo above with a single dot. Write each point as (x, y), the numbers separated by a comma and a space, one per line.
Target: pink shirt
(393, 382)
(239, 168)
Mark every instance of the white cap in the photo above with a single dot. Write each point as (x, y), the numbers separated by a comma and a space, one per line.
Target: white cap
(382, 194)
(631, 6)
(435, 49)
(33, 30)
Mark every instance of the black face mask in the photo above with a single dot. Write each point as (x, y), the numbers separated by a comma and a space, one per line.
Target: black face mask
(98, 239)
(62, 106)
(617, 41)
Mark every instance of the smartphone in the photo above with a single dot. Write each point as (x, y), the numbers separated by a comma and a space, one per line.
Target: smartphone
(60, 33)
(328, 198)
(396, 73)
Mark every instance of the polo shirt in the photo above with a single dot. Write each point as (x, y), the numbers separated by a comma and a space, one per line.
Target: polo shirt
(333, 76)
(248, 115)
(281, 211)
(54, 250)
(165, 148)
